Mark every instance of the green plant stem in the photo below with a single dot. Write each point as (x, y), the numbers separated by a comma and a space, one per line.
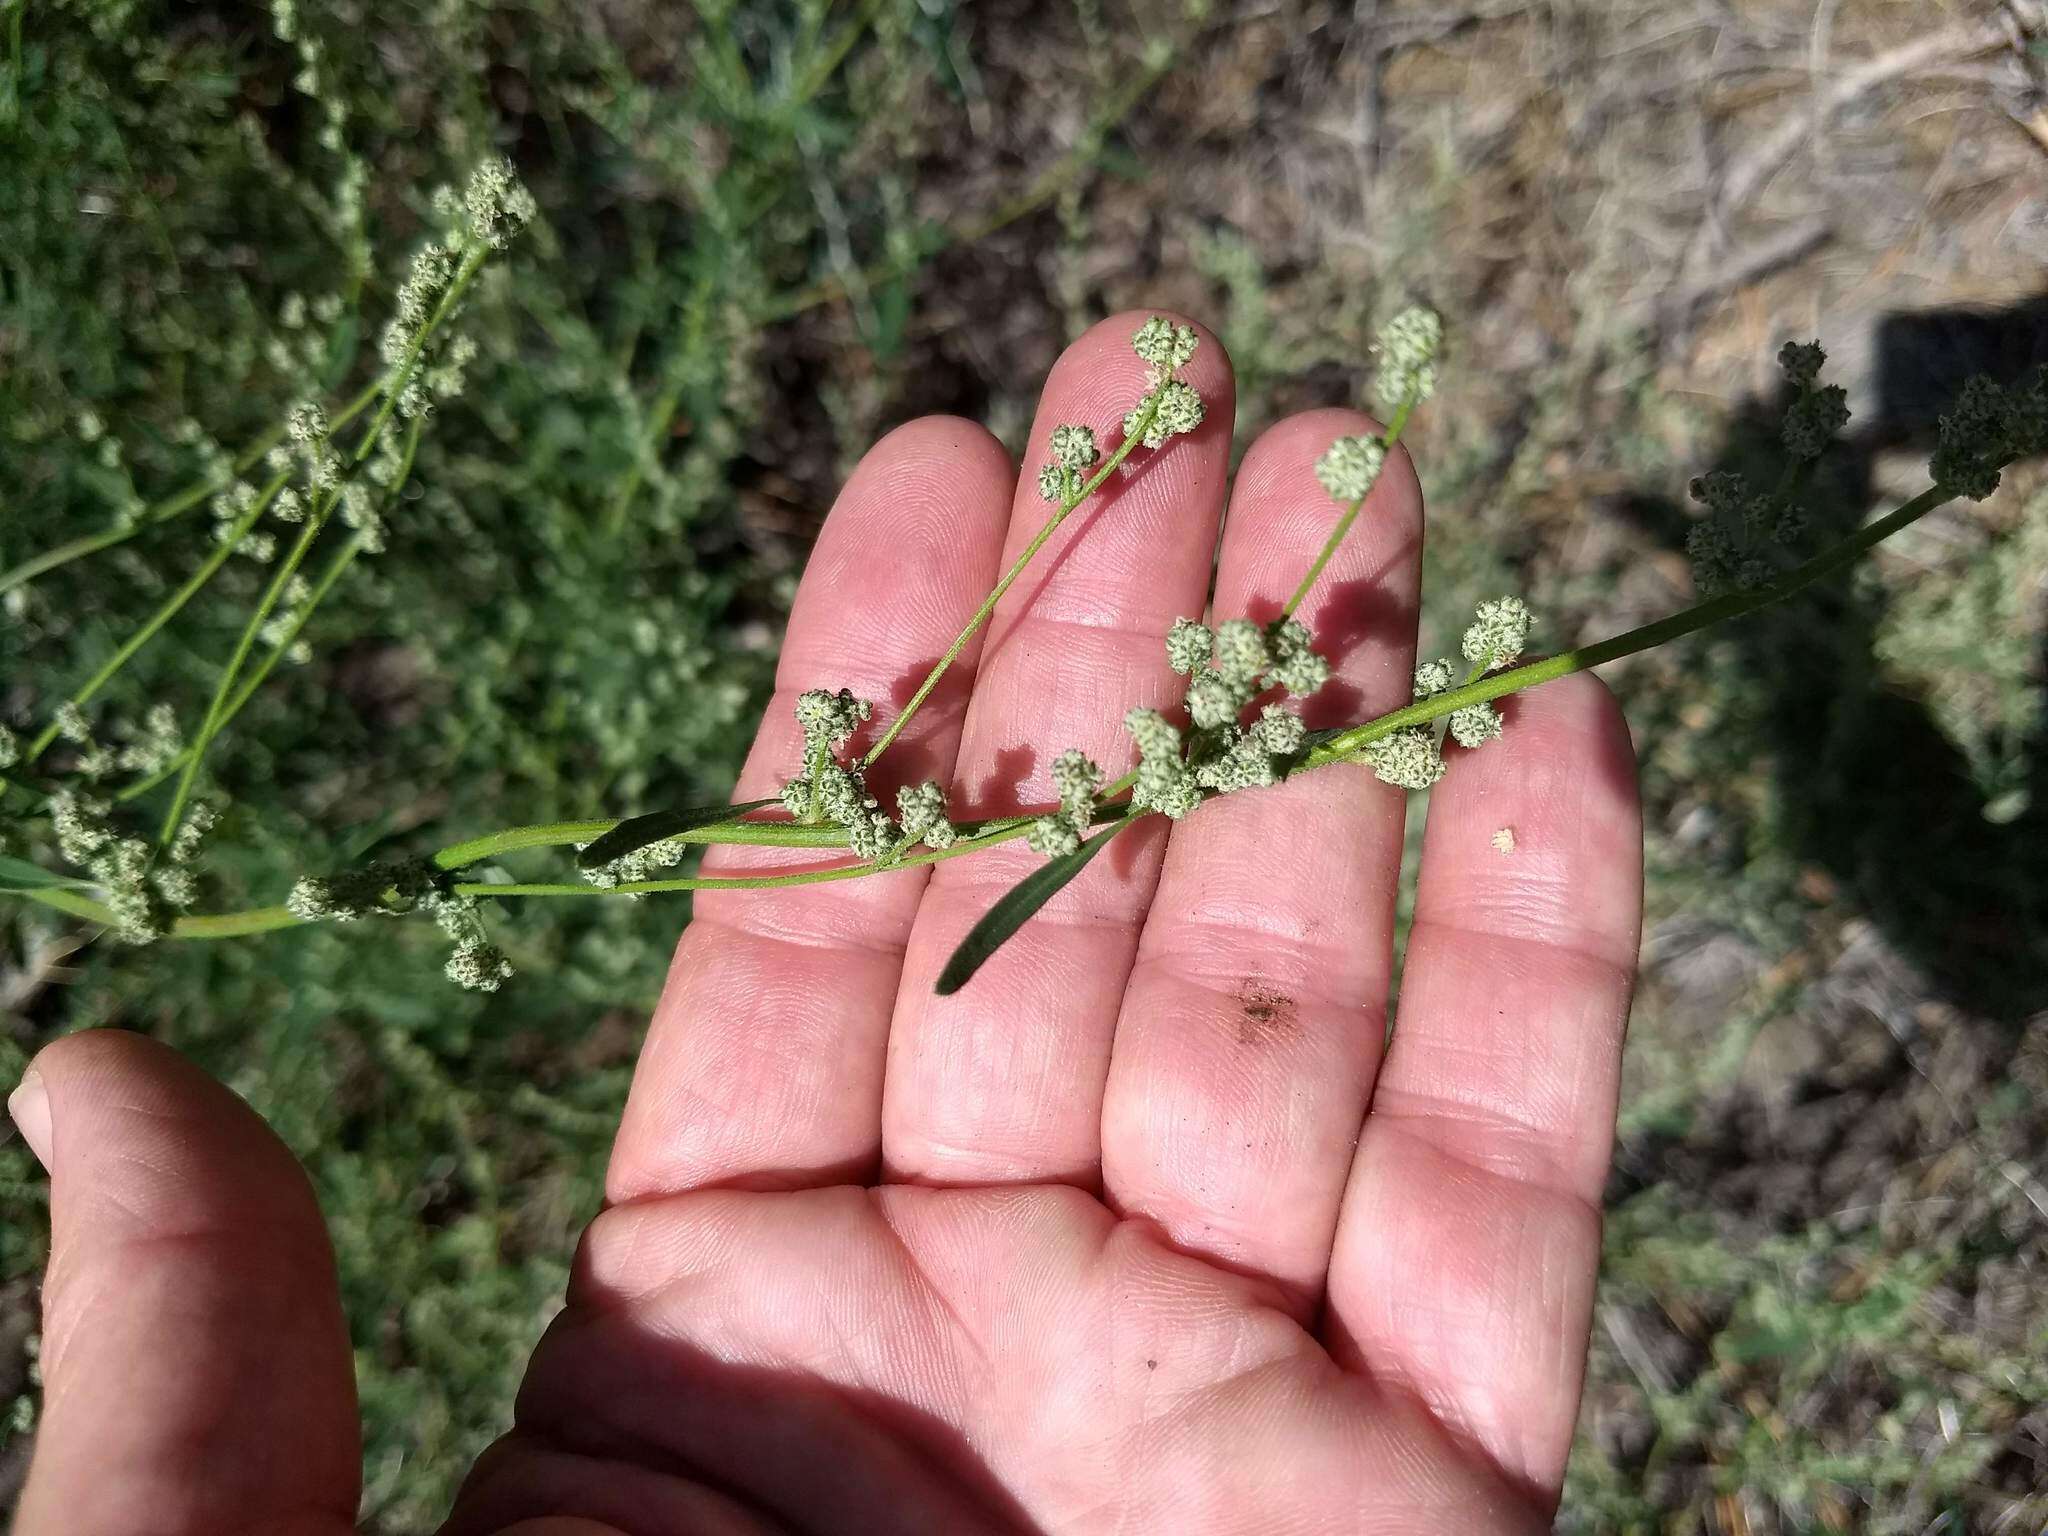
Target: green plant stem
(1332, 747)
(227, 545)
(988, 604)
(336, 569)
(316, 519)
(1347, 744)
(999, 832)
(1387, 440)
(210, 725)
(171, 506)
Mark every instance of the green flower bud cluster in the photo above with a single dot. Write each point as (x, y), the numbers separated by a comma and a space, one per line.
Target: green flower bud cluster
(1166, 346)
(1350, 467)
(10, 748)
(1163, 783)
(1497, 635)
(1226, 668)
(1171, 406)
(1075, 779)
(1408, 758)
(370, 890)
(1472, 726)
(1407, 349)
(1818, 411)
(640, 864)
(1179, 410)
(1990, 426)
(837, 792)
(1073, 454)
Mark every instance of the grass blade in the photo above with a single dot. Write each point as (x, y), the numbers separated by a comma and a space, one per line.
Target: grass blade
(637, 832)
(1015, 909)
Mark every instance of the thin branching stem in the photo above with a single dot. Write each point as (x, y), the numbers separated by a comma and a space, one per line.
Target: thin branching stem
(168, 610)
(1060, 514)
(1387, 441)
(316, 520)
(1329, 747)
(281, 647)
(174, 505)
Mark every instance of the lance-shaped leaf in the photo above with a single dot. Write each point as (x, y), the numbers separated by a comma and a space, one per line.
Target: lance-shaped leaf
(637, 832)
(1015, 909)
(20, 875)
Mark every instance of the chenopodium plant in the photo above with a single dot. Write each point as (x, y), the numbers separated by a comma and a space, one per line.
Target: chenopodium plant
(1239, 726)
(269, 504)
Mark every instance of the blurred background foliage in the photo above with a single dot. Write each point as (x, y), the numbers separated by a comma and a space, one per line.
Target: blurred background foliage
(769, 231)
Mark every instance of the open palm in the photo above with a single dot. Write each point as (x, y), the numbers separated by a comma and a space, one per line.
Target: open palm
(1137, 1232)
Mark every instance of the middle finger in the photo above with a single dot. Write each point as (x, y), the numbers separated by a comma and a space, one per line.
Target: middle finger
(1003, 1081)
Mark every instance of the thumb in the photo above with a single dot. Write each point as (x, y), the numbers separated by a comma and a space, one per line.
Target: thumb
(196, 1370)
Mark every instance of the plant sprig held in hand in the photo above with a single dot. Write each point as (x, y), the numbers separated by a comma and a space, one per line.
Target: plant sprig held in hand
(1238, 727)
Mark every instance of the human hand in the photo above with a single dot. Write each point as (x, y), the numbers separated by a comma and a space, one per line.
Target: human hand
(1106, 1241)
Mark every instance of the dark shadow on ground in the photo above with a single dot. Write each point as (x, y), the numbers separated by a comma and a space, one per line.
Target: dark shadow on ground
(1869, 788)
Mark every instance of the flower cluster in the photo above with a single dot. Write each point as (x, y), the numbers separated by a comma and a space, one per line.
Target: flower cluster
(1075, 780)
(492, 209)
(385, 889)
(140, 890)
(1412, 757)
(1227, 668)
(830, 790)
(1350, 467)
(641, 864)
(1073, 454)
(395, 888)
(1742, 542)
(1407, 350)
(1818, 411)
(475, 964)
(1171, 406)
(1990, 426)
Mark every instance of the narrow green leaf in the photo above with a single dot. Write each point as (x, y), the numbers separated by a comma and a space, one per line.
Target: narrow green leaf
(20, 875)
(637, 832)
(1015, 909)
